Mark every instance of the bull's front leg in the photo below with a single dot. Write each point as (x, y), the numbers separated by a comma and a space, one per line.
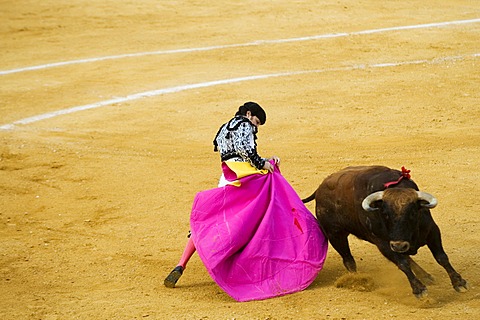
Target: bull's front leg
(403, 263)
(435, 246)
(458, 283)
(418, 288)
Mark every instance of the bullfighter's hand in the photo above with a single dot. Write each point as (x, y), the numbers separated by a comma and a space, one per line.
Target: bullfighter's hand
(268, 166)
(276, 160)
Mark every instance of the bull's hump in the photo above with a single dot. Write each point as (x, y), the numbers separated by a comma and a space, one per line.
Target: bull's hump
(348, 174)
(357, 170)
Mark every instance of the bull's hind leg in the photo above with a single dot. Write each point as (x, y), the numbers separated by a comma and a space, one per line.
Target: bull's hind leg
(420, 272)
(340, 243)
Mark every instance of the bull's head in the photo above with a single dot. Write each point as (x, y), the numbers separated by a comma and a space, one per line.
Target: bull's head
(400, 211)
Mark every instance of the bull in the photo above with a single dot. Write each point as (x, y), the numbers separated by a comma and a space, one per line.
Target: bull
(384, 207)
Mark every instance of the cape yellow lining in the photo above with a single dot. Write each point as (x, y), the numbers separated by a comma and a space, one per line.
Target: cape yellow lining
(241, 170)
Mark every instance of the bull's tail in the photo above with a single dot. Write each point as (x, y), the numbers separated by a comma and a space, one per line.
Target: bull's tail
(310, 198)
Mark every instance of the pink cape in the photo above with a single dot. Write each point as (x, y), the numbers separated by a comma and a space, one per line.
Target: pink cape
(258, 240)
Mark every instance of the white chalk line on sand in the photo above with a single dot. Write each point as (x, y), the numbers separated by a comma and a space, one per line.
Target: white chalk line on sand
(248, 44)
(180, 88)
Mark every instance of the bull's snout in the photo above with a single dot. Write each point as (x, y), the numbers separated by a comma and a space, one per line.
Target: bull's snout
(399, 246)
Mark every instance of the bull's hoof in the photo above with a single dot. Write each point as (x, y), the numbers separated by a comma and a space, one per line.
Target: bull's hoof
(461, 287)
(423, 294)
(351, 266)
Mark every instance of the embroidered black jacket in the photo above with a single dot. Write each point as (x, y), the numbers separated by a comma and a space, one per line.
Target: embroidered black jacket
(236, 138)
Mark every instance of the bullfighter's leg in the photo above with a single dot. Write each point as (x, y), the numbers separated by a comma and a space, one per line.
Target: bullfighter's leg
(403, 263)
(187, 253)
(340, 243)
(177, 272)
(420, 272)
(434, 243)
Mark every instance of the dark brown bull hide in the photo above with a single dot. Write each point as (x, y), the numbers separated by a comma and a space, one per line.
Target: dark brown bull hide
(397, 220)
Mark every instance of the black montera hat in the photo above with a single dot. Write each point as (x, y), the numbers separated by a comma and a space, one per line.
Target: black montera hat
(256, 110)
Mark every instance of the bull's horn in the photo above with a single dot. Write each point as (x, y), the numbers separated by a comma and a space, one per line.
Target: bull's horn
(432, 201)
(366, 203)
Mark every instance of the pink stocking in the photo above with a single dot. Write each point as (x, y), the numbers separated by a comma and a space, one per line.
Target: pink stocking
(187, 253)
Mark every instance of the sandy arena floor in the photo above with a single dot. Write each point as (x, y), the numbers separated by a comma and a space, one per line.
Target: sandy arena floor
(95, 200)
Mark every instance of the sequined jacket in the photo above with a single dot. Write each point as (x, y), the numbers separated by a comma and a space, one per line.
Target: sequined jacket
(236, 139)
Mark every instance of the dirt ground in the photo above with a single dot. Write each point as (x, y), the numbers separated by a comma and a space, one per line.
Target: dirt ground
(95, 203)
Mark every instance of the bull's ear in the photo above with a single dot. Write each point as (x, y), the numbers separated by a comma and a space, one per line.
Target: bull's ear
(371, 202)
